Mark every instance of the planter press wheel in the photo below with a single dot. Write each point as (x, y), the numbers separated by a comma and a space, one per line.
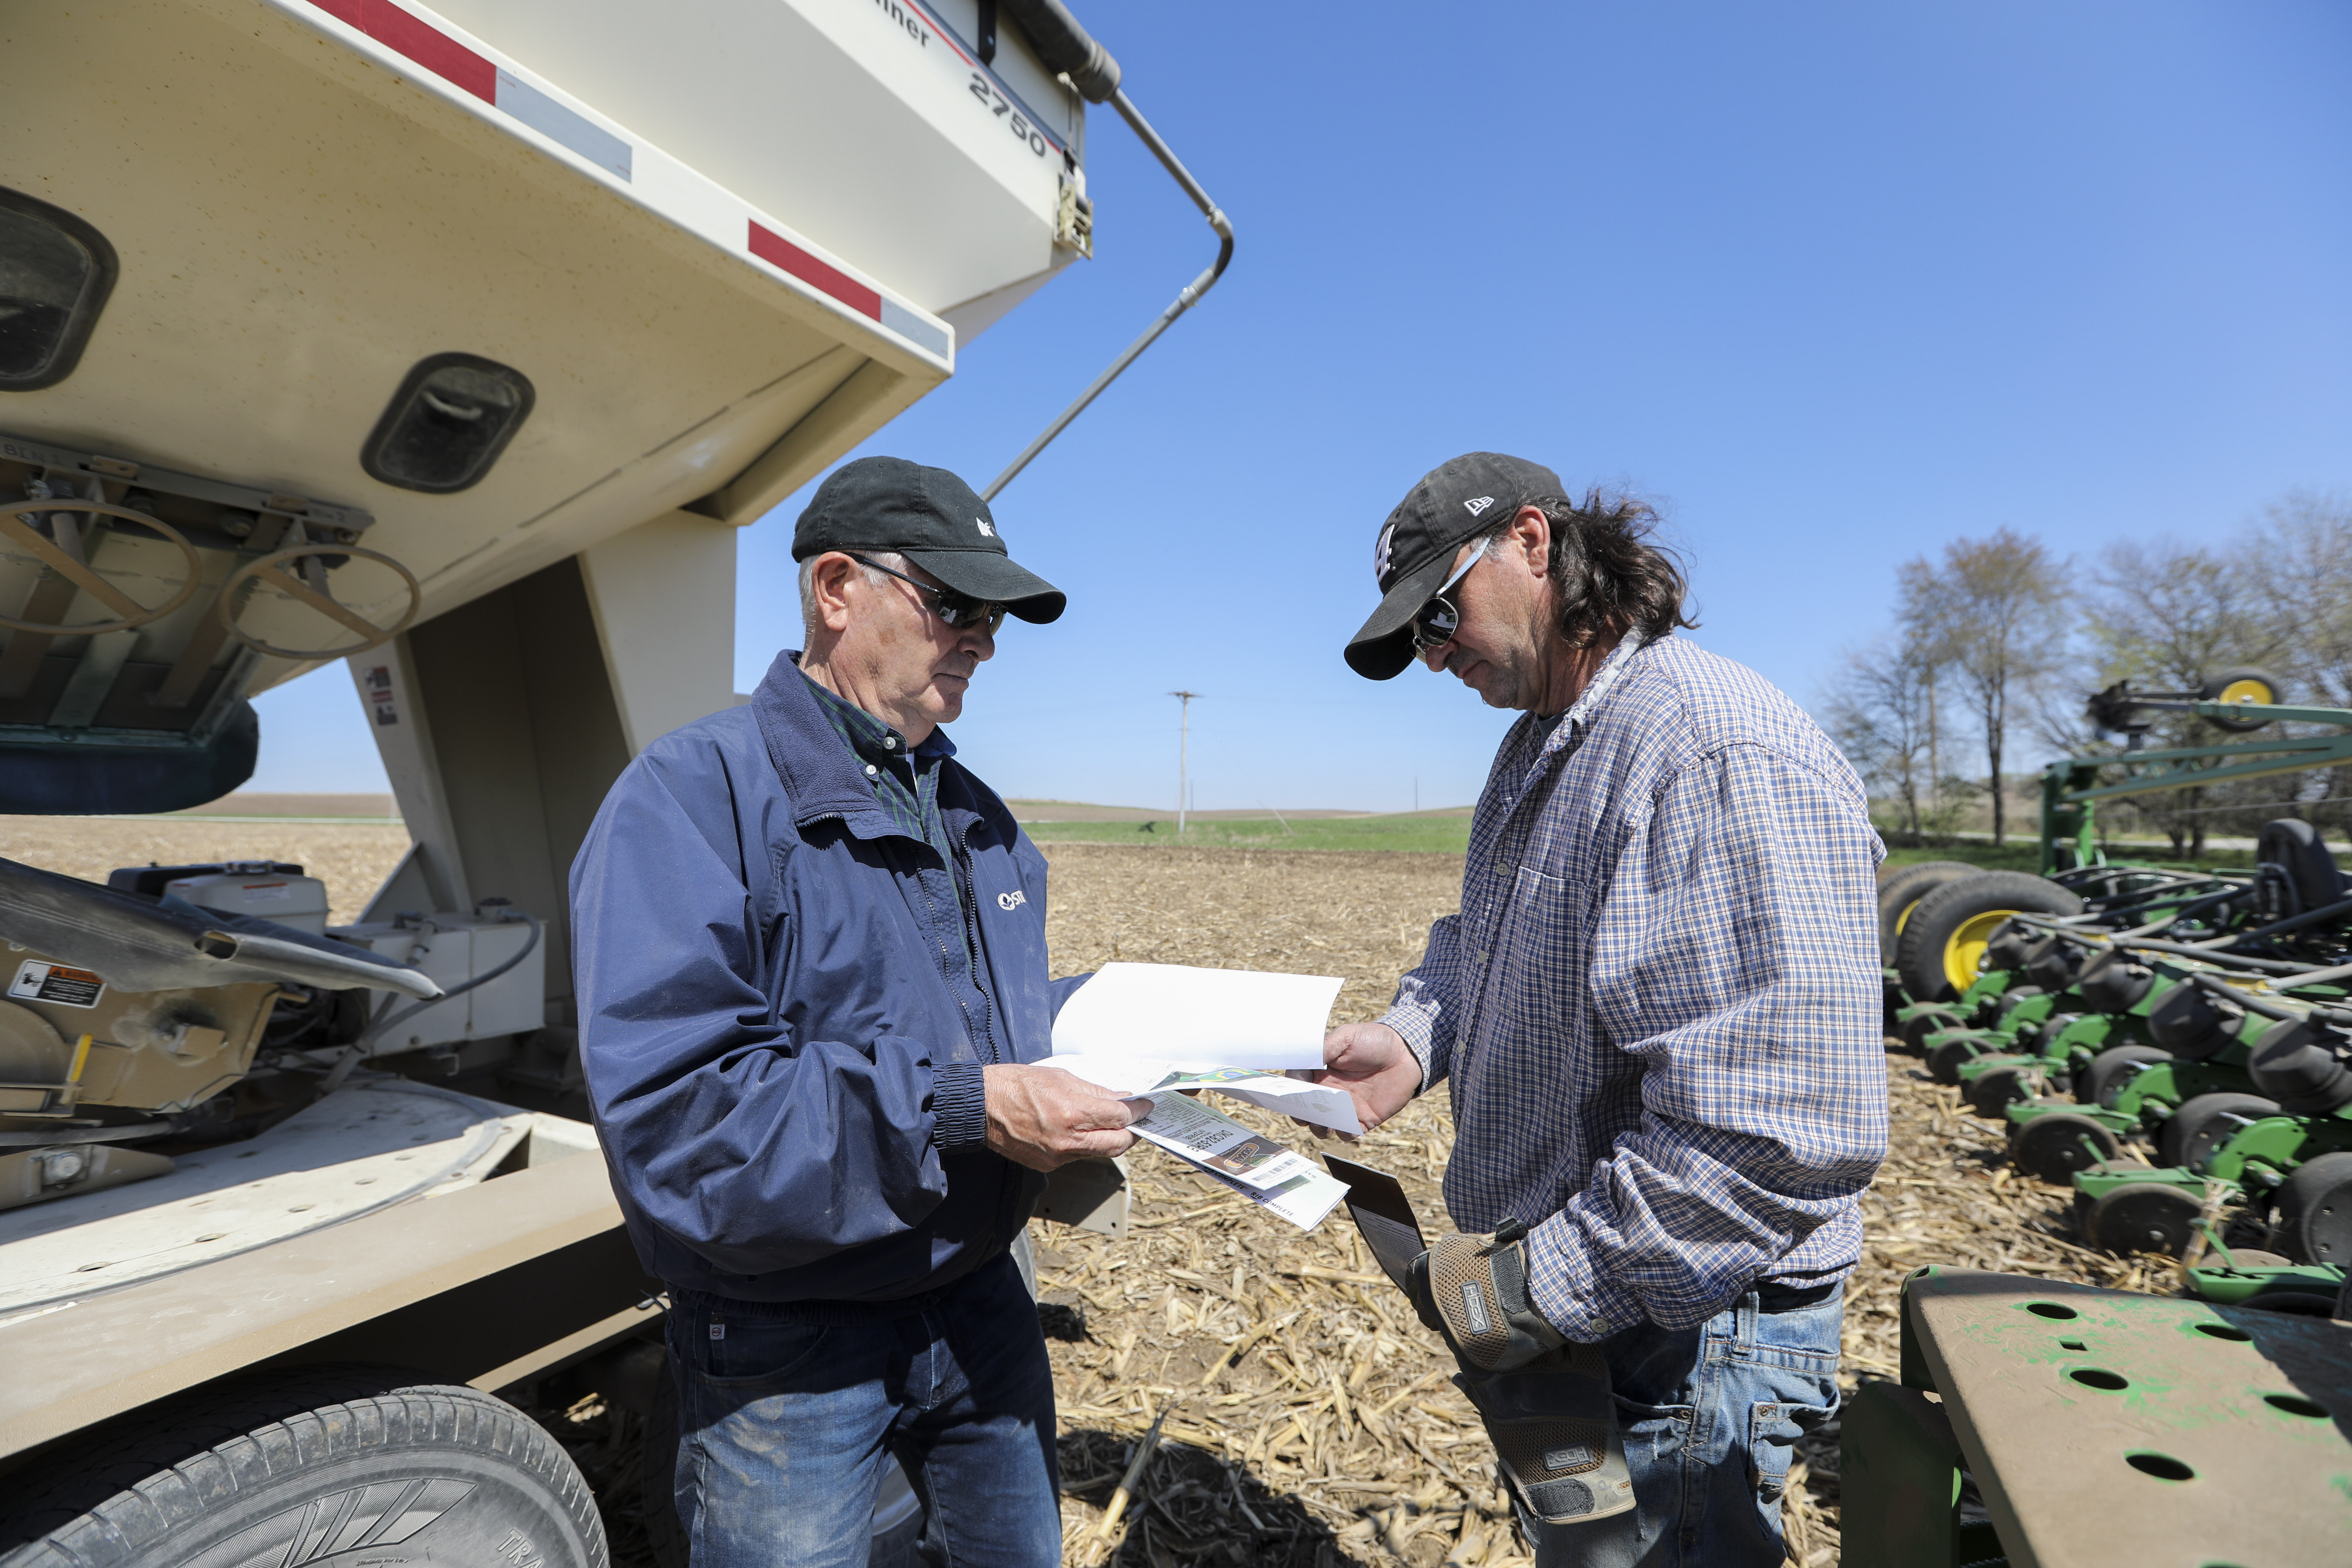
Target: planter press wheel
(15, 527)
(2194, 1133)
(2057, 1144)
(270, 569)
(2145, 1217)
(2314, 1210)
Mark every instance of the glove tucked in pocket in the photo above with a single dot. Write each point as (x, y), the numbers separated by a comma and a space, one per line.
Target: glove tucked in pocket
(1545, 1402)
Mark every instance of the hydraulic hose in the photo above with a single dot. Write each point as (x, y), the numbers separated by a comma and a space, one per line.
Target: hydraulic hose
(369, 1036)
(1064, 46)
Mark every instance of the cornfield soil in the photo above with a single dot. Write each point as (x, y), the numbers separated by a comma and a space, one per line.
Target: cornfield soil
(1308, 1419)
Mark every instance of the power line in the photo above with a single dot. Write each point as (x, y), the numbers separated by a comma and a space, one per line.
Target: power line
(1183, 757)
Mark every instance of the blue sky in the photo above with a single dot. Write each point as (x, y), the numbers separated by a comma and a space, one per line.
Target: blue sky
(1832, 283)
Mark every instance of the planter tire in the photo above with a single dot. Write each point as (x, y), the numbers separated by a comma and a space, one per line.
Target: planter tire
(2053, 1146)
(2191, 1134)
(2112, 1068)
(395, 1469)
(2146, 1216)
(1943, 938)
(1899, 895)
(2314, 1210)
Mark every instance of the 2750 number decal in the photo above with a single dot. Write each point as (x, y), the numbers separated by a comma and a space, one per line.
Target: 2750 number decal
(993, 101)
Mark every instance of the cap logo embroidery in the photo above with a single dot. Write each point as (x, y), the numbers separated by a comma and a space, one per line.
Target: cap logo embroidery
(1478, 507)
(985, 532)
(1381, 551)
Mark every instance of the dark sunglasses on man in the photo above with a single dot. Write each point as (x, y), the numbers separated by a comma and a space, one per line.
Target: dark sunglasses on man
(1434, 623)
(961, 611)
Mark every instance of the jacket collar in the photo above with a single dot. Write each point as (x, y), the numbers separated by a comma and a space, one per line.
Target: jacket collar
(819, 773)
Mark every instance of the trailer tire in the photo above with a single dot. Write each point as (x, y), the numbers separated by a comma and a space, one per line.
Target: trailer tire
(232, 1473)
(1945, 936)
(1900, 893)
(2314, 1210)
(2192, 1133)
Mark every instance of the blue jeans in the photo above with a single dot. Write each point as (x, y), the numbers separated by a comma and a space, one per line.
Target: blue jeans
(1710, 1418)
(788, 1414)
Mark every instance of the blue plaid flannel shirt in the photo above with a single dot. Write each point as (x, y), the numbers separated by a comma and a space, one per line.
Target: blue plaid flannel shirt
(1659, 1006)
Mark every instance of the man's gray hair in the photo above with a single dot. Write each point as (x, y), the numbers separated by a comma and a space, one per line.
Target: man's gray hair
(890, 558)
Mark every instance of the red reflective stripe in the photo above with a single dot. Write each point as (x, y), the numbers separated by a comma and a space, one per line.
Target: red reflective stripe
(777, 251)
(446, 58)
(443, 55)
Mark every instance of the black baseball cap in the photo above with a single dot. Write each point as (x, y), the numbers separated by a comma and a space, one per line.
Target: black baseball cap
(1454, 502)
(932, 518)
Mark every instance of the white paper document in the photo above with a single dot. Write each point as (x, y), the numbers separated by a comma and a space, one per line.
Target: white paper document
(1173, 1012)
(1131, 1076)
(1215, 1142)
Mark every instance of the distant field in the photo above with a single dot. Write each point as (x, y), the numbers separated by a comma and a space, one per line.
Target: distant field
(1444, 834)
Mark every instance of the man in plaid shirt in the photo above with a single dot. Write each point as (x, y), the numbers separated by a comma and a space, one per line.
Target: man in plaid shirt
(1659, 1014)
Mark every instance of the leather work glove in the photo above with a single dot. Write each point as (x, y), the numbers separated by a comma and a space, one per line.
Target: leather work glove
(1545, 1402)
(1474, 1290)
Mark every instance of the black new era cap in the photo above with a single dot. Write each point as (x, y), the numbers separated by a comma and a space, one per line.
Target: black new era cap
(930, 517)
(1454, 502)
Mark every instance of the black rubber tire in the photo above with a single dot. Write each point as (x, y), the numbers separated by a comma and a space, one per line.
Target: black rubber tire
(1943, 1061)
(2314, 1210)
(1916, 1028)
(2050, 1147)
(231, 1474)
(2192, 1133)
(1991, 1092)
(2106, 1071)
(1919, 956)
(2145, 1217)
(1904, 888)
(2212, 689)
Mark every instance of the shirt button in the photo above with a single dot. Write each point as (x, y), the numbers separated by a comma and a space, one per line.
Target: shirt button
(890, 742)
(872, 772)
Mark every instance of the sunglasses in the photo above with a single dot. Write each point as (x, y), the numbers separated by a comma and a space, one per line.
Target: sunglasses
(961, 611)
(1434, 623)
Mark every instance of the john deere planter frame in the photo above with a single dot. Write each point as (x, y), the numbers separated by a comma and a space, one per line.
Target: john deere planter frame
(2071, 790)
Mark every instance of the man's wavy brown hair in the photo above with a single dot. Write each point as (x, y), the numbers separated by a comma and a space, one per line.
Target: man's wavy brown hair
(1608, 577)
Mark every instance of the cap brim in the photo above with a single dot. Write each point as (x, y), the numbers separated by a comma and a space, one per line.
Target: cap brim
(985, 574)
(1383, 647)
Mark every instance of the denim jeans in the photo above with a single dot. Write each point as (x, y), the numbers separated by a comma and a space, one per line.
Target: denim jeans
(1711, 1417)
(789, 1413)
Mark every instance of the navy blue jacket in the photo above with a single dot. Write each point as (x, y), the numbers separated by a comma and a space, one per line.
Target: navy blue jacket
(784, 1060)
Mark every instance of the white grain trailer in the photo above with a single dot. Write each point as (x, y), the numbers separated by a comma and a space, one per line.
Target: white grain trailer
(455, 344)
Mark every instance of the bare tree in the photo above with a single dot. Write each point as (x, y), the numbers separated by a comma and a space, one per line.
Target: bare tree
(1993, 612)
(2168, 616)
(1878, 713)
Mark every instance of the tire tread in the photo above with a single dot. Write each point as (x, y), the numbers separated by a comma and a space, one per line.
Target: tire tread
(191, 1456)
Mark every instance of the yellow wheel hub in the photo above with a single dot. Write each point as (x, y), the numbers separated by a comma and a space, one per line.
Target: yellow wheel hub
(2247, 691)
(1904, 918)
(1964, 953)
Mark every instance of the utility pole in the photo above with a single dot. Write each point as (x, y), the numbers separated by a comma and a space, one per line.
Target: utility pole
(1183, 758)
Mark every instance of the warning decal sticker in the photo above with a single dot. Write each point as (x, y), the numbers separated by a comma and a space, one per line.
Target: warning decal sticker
(39, 980)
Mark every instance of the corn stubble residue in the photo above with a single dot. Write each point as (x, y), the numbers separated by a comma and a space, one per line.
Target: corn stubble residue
(1333, 1436)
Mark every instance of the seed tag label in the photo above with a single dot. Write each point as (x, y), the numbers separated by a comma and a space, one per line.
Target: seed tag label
(39, 980)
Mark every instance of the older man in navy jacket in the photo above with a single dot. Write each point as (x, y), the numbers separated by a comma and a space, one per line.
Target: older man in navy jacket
(810, 954)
